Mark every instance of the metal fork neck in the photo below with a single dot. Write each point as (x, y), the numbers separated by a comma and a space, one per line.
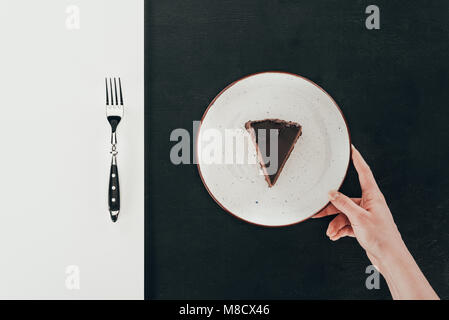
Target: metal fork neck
(114, 145)
(113, 138)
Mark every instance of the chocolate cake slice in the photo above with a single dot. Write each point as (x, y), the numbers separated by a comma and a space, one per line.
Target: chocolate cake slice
(288, 134)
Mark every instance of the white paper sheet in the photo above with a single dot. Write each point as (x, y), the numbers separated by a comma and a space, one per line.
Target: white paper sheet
(55, 229)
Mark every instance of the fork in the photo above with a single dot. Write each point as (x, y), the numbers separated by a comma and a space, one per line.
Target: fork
(114, 113)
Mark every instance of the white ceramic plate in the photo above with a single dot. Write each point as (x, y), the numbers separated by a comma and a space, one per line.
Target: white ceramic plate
(318, 163)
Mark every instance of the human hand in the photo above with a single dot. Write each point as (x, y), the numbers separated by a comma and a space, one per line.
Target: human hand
(367, 218)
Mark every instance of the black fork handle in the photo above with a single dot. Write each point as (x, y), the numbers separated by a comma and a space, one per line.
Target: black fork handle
(114, 191)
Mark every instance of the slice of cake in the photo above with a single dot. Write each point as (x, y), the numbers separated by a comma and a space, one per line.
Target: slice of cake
(288, 134)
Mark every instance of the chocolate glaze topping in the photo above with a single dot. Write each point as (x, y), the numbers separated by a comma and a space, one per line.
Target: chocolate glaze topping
(288, 134)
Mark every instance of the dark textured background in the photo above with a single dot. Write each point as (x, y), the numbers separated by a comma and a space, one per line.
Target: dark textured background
(392, 85)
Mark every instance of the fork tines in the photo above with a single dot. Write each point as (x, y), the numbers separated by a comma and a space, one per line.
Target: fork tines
(112, 94)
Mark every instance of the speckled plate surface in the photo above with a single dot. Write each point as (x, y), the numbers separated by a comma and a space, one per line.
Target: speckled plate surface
(318, 163)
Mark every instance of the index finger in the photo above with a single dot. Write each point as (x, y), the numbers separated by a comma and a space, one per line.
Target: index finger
(366, 177)
(330, 209)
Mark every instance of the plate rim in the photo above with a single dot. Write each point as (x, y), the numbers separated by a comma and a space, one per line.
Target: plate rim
(212, 103)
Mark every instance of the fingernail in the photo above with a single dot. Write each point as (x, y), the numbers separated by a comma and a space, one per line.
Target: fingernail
(333, 194)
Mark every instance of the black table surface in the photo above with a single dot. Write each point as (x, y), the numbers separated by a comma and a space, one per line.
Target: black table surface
(392, 85)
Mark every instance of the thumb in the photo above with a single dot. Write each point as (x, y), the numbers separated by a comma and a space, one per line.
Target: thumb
(346, 206)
